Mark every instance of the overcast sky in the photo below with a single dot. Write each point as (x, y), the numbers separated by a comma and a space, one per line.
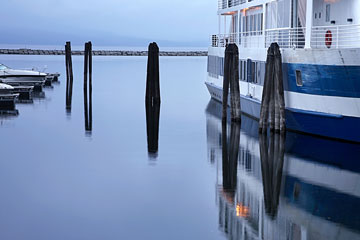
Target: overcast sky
(174, 20)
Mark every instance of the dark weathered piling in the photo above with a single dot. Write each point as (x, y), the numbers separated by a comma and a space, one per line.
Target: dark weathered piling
(152, 98)
(152, 125)
(152, 77)
(69, 75)
(279, 83)
(273, 104)
(272, 160)
(231, 79)
(230, 156)
(88, 92)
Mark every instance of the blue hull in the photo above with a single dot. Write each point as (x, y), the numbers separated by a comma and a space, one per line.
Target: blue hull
(327, 125)
(336, 207)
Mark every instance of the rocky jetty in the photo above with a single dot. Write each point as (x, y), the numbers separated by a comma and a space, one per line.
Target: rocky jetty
(25, 51)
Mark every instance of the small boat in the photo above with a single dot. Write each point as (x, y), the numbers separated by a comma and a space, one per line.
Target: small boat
(17, 77)
(6, 89)
(7, 99)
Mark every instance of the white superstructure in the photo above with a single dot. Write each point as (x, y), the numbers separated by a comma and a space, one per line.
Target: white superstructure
(320, 47)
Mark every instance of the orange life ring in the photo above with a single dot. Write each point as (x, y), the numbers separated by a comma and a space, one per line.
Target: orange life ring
(328, 38)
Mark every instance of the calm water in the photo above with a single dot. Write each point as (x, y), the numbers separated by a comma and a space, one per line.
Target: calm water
(207, 180)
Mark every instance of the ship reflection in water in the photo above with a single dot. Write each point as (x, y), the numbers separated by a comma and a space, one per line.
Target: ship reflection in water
(277, 187)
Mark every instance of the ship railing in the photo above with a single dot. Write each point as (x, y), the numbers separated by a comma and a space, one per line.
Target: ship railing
(286, 37)
(221, 40)
(251, 39)
(223, 4)
(341, 36)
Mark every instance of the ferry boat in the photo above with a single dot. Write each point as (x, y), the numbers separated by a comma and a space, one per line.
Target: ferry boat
(320, 48)
(307, 192)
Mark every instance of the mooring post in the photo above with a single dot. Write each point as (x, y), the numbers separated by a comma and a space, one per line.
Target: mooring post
(231, 79)
(279, 83)
(90, 86)
(88, 95)
(272, 101)
(264, 112)
(69, 75)
(152, 77)
(86, 61)
(152, 125)
(152, 98)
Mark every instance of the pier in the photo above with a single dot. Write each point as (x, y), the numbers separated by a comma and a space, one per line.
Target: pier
(25, 51)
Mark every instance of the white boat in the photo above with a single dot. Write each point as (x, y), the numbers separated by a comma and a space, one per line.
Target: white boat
(320, 48)
(7, 99)
(6, 89)
(21, 77)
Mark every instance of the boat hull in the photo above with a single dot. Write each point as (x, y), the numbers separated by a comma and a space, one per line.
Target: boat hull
(321, 124)
(23, 80)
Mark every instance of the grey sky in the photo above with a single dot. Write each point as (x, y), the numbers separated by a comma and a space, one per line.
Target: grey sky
(174, 20)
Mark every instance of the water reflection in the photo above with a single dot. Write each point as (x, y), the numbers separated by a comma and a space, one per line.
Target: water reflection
(285, 189)
(152, 127)
(272, 160)
(38, 95)
(229, 158)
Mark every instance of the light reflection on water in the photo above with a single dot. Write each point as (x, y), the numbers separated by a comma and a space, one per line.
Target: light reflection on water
(59, 182)
(293, 187)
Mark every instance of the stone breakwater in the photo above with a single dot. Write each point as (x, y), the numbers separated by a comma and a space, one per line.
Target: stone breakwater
(100, 52)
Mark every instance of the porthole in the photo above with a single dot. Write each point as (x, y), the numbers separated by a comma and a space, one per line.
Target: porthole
(299, 81)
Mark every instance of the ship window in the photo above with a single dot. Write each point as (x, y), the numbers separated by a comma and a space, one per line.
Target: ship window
(299, 81)
(327, 17)
(247, 25)
(244, 25)
(315, 15)
(319, 14)
(255, 24)
(3, 67)
(240, 30)
(245, 71)
(253, 75)
(240, 70)
(258, 67)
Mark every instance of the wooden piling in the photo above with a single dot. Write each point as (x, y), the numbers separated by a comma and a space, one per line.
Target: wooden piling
(152, 77)
(90, 86)
(279, 83)
(88, 95)
(273, 105)
(152, 98)
(231, 79)
(69, 75)
(152, 125)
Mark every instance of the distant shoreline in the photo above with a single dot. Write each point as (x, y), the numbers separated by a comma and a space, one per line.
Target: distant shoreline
(25, 51)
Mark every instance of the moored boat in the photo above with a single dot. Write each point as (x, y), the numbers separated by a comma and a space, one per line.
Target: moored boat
(320, 54)
(21, 77)
(7, 99)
